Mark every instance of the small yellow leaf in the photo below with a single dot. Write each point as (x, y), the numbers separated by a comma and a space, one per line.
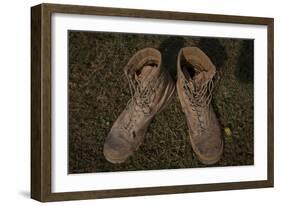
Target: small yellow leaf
(227, 132)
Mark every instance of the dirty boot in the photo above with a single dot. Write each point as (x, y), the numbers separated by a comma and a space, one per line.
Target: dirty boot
(151, 89)
(195, 73)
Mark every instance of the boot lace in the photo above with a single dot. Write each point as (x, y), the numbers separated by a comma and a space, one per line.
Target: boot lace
(200, 98)
(141, 99)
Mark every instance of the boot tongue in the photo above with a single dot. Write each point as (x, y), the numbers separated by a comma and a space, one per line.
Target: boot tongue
(143, 76)
(195, 79)
(199, 79)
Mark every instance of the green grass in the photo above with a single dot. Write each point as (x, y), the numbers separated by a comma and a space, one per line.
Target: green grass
(98, 93)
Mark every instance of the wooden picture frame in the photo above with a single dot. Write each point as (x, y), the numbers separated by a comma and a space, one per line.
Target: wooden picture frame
(41, 173)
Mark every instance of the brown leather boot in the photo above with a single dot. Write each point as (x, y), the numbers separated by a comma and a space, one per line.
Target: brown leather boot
(195, 73)
(151, 88)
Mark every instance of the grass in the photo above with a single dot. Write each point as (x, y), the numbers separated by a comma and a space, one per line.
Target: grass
(98, 93)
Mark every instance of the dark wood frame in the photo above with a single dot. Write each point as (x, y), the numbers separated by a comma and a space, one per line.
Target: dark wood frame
(41, 101)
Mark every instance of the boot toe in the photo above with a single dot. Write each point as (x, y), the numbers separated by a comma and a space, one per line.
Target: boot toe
(116, 149)
(210, 153)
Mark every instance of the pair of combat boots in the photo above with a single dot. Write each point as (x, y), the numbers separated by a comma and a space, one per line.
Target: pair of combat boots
(152, 89)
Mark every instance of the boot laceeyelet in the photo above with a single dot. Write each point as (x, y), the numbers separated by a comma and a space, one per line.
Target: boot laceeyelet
(152, 88)
(195, 73)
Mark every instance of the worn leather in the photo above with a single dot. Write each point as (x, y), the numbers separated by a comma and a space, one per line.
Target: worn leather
(204, 128)
(156, 88)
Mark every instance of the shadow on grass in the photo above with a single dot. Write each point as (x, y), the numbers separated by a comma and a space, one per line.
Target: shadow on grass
(169, 49)
(245, 68)
(214, 50)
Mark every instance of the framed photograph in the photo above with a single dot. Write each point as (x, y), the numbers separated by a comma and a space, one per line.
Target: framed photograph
(132, 102)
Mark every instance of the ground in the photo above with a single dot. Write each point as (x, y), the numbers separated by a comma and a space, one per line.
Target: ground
(98, 92)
